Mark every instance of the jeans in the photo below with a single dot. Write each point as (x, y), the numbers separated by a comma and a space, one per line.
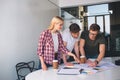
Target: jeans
(39, 67)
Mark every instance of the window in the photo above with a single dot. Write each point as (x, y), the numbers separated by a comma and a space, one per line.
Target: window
(99, 14)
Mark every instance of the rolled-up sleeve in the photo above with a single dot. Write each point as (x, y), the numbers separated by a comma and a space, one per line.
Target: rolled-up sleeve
(41, 43)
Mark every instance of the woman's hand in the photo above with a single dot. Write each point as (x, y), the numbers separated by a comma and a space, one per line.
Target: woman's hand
(44, 67)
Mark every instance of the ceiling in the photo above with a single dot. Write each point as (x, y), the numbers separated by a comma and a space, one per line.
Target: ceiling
(70, 3)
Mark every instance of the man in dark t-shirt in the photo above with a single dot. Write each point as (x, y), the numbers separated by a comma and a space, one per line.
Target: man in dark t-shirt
(92, 44)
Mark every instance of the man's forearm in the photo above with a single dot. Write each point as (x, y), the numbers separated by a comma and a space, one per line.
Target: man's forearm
(102, 52)
(77, 49)
(100, 57)
(82, 52)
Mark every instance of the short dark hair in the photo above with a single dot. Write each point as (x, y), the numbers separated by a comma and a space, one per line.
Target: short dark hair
(94, 27)
(74, 28)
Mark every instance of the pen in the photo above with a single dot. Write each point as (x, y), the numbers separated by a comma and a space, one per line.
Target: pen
(96, 68)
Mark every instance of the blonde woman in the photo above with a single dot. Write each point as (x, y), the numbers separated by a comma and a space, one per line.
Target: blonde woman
(50, 42)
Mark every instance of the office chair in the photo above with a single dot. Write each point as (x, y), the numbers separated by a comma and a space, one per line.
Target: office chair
(23, 68)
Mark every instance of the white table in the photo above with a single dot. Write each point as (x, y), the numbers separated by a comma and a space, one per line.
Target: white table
(51, 74)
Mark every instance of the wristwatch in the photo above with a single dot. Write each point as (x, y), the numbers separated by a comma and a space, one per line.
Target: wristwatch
(97, 61)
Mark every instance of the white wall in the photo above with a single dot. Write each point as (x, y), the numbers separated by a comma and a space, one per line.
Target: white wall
(69, 3)
(21, 22)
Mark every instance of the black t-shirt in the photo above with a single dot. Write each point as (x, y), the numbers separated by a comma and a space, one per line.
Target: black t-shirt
(92, 46)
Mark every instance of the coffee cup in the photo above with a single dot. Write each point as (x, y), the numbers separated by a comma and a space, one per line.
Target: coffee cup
(55, 64)
(82, 59)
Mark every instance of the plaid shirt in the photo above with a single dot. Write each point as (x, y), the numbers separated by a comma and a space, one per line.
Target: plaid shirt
(46, 47)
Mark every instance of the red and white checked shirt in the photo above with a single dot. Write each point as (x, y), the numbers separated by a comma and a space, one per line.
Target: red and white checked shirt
(46, 47)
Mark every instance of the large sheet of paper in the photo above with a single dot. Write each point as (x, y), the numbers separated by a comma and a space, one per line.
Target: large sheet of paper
(76, 69)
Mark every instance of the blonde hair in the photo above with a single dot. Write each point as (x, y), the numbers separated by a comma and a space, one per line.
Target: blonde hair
(55, 20)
